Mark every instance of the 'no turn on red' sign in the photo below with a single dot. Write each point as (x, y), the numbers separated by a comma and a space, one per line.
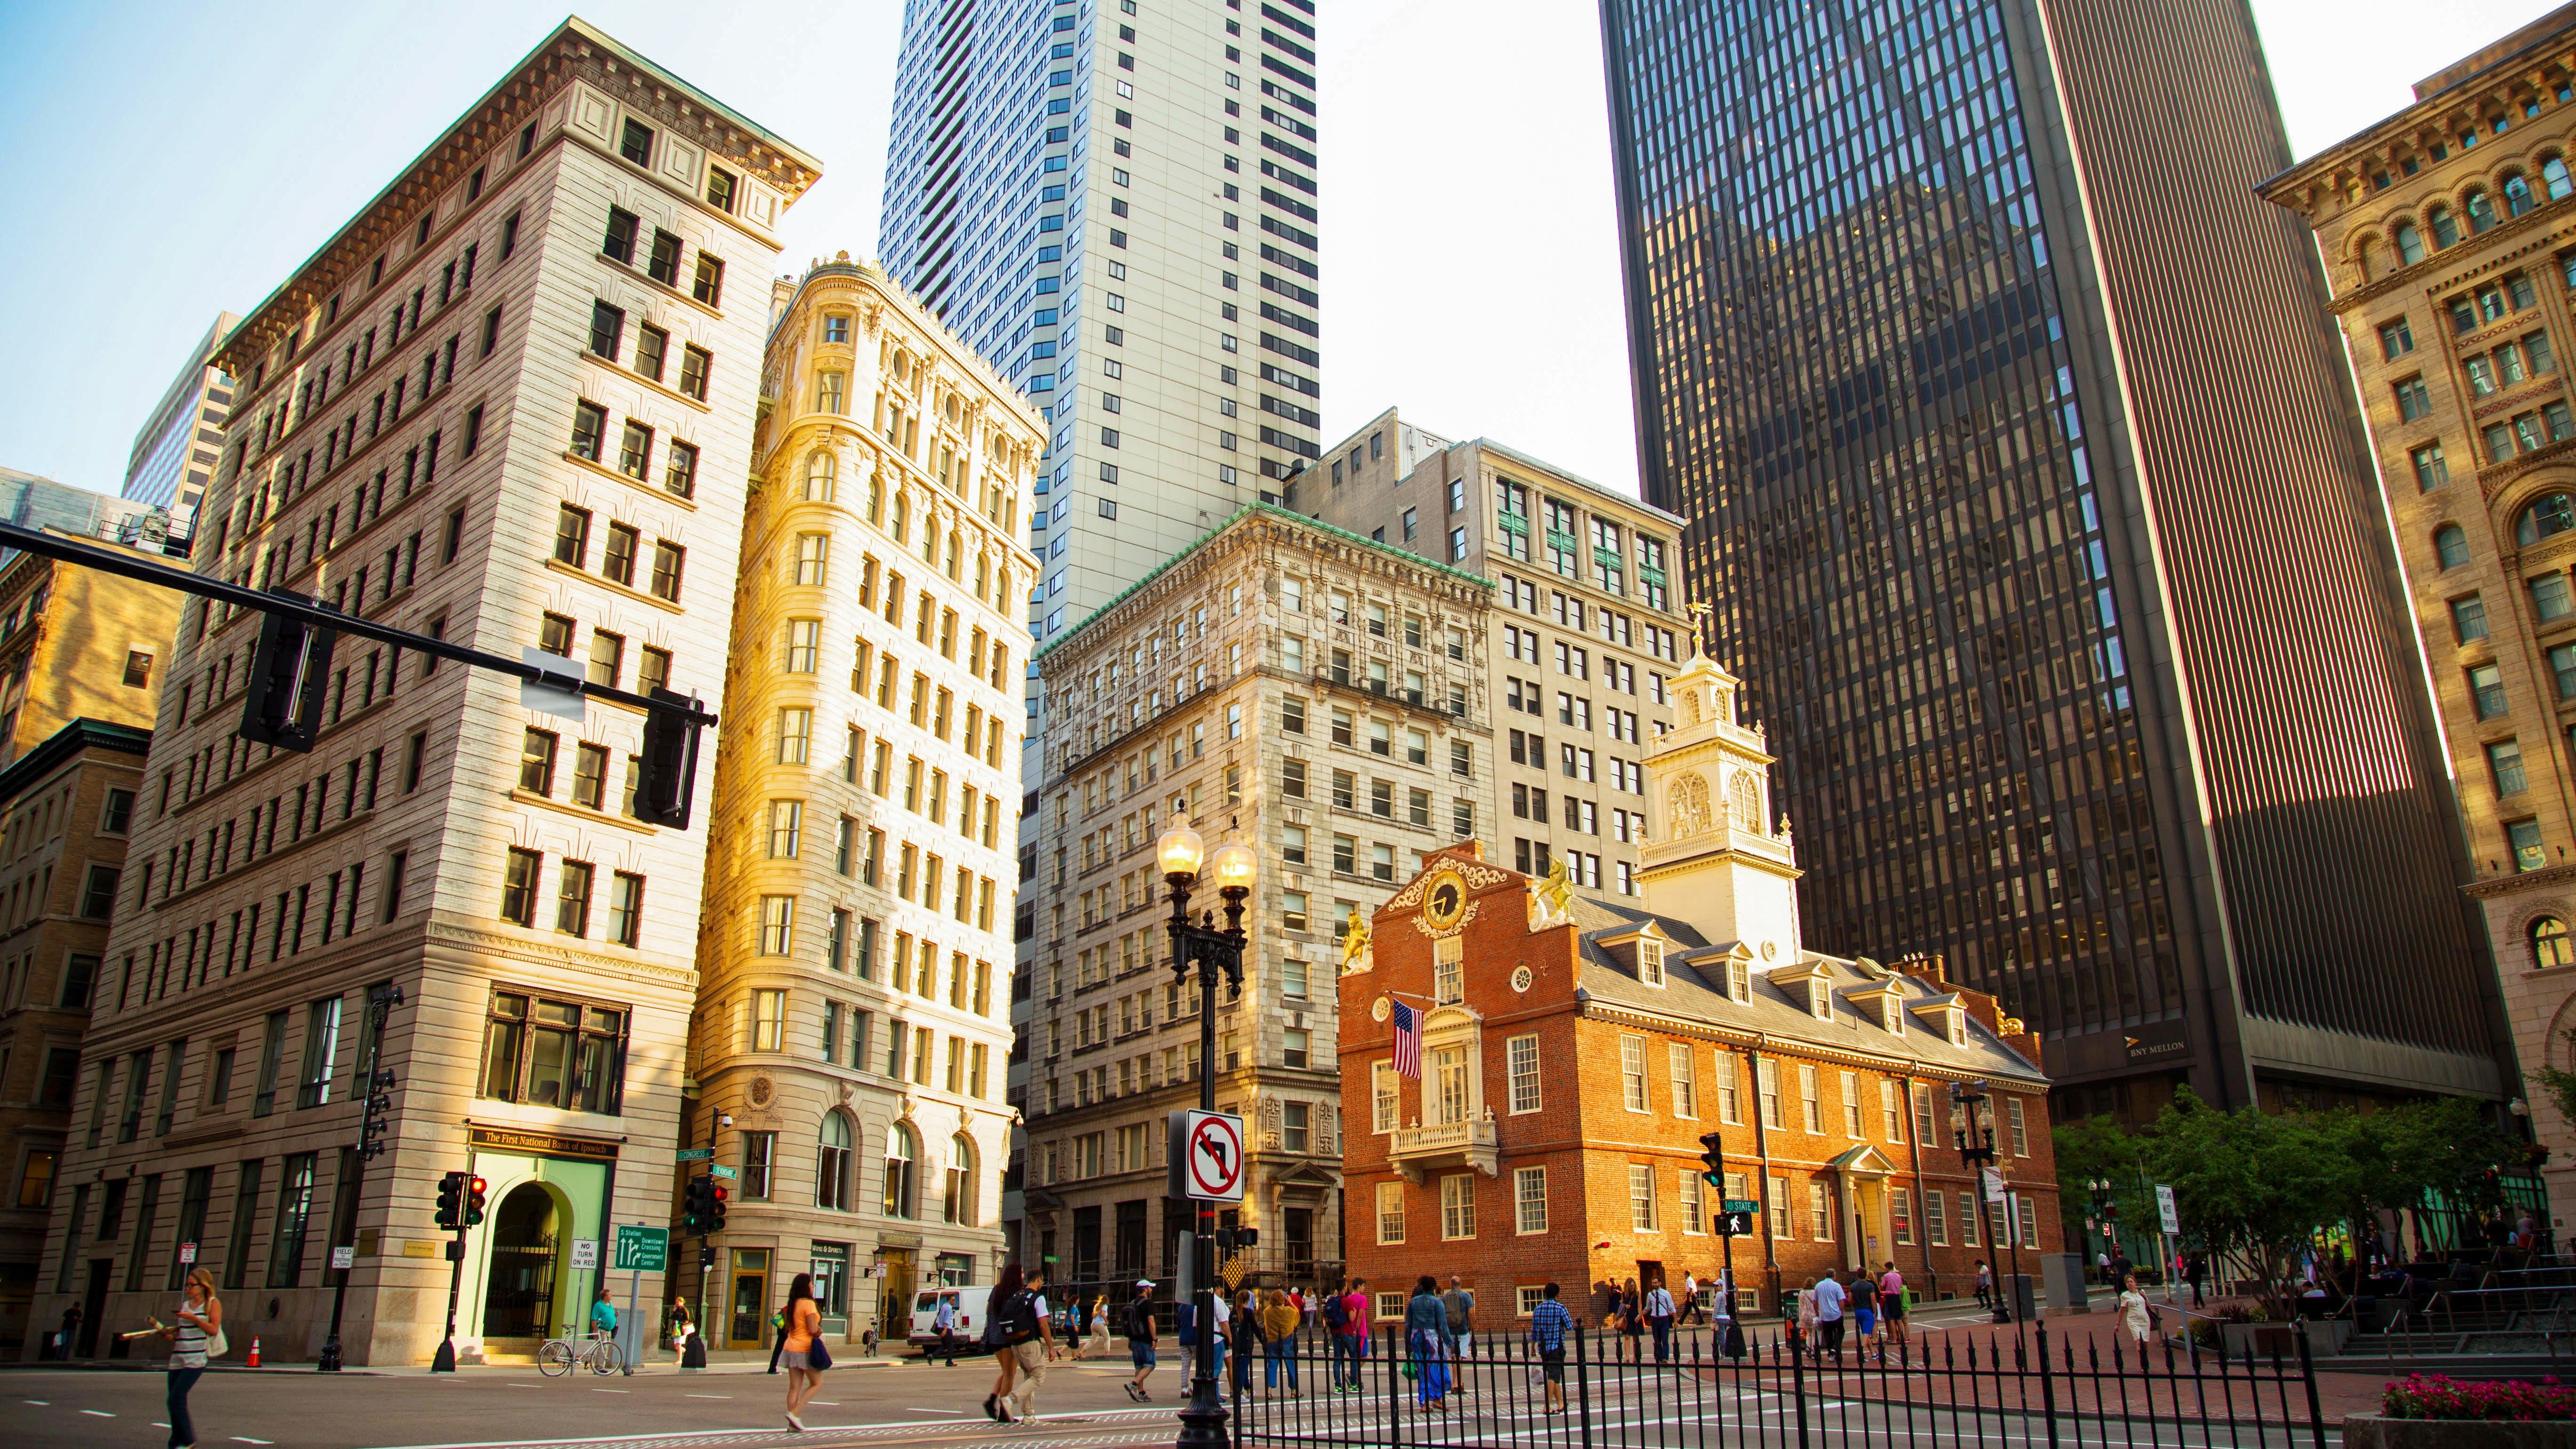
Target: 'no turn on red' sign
(1206, 1155)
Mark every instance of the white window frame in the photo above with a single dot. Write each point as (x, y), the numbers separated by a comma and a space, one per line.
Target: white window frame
(1390, 1194)
(1694, 1204)
(1386, 1099)
(1632, 1073)
(1457, 1206)
(1683, 1066)
(1650, 1219)
(1520, 1052)
(1529, 1190)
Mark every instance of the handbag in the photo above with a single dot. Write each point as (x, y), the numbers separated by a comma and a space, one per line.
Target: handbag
(818, 1358)
(216, 1346)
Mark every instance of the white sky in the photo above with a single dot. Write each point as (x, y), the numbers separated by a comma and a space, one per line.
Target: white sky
(165, 161)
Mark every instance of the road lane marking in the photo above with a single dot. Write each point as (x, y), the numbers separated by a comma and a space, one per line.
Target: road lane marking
(98, 1413)
(242, 1439)
(612, 1391)
(39, 1403)
(712, 1396)
(918, 1409)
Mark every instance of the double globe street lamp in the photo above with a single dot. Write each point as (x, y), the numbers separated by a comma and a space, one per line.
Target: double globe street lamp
(1972, 1129)
(1233, 867)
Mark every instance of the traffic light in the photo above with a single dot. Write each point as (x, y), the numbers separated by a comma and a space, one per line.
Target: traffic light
(288, 675)
(666, 774)
(451, 1199)
(717, 1192)
(473, 1202)
(697, 1204)
(1712, 1159)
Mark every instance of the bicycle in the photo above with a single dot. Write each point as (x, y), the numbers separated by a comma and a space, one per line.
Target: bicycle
(560, 1356)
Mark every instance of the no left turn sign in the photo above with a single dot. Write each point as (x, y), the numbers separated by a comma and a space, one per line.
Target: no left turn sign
(1212, 1156)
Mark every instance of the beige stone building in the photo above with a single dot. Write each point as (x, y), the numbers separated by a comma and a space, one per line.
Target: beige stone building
(509, 403)
(1323, 697)
(1586, 635)
(82, 657)
(855, 955)
(70, 807)
(2449, 238)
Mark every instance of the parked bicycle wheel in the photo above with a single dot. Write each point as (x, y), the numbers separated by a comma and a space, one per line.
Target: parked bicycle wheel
(606, 1357)
(555, 1359)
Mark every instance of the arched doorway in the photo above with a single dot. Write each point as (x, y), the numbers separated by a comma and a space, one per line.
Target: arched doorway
(519, 1288)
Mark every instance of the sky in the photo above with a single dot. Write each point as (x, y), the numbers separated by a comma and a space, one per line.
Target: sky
(166, 162)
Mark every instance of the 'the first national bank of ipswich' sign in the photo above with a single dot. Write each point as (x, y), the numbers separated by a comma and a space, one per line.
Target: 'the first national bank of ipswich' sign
(1206, 1156)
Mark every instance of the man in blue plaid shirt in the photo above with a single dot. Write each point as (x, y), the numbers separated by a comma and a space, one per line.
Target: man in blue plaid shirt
(1549, 1323)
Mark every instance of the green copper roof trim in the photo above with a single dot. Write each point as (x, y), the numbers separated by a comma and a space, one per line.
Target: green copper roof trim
(1274, 510)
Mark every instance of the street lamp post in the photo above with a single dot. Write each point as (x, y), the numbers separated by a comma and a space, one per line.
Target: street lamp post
(1212, 952)
(1972, 1128)
(2106, 1214)
(372, 1130)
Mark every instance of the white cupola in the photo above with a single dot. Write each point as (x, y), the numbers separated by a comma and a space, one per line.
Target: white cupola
(1712, 858)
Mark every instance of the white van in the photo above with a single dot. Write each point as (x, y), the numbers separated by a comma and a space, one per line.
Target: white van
(970, 1316)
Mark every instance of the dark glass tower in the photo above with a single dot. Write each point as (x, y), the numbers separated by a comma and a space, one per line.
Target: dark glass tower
(2026, 484)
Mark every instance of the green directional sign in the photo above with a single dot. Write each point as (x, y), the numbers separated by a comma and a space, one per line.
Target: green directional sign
(1740, 1205)
(645, 1250)
(720, 1170)
(693, 1154)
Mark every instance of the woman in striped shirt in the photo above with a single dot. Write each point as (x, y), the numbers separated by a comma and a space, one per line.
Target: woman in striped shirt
(201, 1321)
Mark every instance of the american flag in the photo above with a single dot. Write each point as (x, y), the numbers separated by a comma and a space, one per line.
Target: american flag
(1408, 1041)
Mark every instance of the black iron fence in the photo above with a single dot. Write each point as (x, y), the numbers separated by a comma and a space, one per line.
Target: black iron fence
(1606, 1391)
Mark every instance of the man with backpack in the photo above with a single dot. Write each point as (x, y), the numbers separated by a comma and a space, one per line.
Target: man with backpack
(1459, 1304)
(1350, 1338)
(1140, 1339)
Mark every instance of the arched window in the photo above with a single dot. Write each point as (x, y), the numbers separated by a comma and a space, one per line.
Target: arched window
(2551, 513)
(901, 1153)
(1744, 802)
(2517, 195)
(2551, 945)
(2365, 256)
(2554, 180)
(2446, 228)
(2481, 211)
(2451, 545)
(956, 551)
(876, 499)
(832, 1164)
(902, 516)
(957, 1205)
(2409, 244)
(820, 470)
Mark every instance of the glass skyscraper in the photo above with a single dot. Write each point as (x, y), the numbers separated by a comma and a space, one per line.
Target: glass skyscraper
(2024, 479)
(1116, 205)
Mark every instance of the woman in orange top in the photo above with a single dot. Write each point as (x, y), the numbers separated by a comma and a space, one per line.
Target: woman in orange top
(804, 1320)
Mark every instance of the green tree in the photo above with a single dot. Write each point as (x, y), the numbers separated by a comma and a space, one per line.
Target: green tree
(2253, 1185)
(2091, 1149)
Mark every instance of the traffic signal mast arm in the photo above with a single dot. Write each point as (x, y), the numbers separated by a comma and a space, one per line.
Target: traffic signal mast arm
(569, 678)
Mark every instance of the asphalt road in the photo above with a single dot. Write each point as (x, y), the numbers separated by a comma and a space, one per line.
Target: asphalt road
(910, 1403)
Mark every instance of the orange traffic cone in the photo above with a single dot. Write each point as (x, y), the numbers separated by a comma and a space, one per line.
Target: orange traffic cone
(254, 1350)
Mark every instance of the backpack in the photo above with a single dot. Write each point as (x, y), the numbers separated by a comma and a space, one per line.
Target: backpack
(1140, 1319)
(1019, 1318)
(1335, 1317)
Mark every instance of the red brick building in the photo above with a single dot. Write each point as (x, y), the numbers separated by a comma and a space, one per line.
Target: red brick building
(1574, 1052)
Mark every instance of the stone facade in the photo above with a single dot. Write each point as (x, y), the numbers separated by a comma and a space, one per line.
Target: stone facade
(1234, 685)
(855, 961)
(1573, 1052)
(2449, 237)
(509, 403)
(1586, 637)
(70, 806)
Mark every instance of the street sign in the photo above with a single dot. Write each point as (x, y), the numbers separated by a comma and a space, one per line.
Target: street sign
(1740, 1205)
(1732, 1224)
(643, 1249)
(2166, 1210)
(187, 1252)
(560, 695)
(344, 1257)
(693, 1154)
(1206, 1155)
(718, 1169)
(585, 1253)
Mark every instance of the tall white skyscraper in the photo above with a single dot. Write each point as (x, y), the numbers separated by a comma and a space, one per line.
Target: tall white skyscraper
(1114, 201)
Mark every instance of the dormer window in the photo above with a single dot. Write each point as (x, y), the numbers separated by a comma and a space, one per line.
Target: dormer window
(1895, 1021)
(1958, 1028)
(1820, 1000)
(1739, 980)
(1650, 962)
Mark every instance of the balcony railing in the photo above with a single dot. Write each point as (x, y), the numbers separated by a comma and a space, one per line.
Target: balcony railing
(1417, 1150)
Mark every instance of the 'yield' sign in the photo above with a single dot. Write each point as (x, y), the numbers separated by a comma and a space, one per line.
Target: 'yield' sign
(1211, 1155)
